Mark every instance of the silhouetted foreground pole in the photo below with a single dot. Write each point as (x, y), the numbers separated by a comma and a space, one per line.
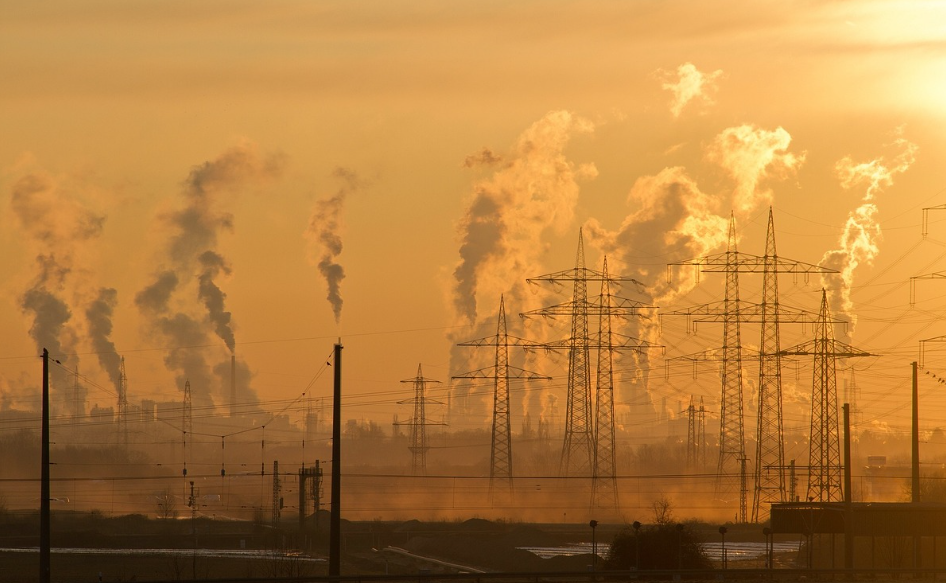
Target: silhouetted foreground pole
(335, 535)
(848, 495)
(915, 473)
(915, 439)
(44, 542)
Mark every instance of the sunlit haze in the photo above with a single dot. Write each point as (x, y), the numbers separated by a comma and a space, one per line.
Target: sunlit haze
(184, 182)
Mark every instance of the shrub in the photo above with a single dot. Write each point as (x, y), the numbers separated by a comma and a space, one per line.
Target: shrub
(662, 546)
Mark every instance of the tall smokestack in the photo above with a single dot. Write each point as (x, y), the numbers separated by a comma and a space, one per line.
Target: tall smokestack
(232, 383)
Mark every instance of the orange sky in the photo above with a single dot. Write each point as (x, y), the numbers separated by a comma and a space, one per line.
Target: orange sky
(109, 109)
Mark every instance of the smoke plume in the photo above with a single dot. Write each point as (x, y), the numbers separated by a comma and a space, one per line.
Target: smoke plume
(213, 298)
(860, 239)
(533, 190)
(57, 226)
(751, 155)
(184, 302)
(324, 233)
(688, 84)
(99, 316)
(536, 189)
(673, 219)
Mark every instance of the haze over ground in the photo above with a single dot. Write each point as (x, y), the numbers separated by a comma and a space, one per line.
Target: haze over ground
(182, 182)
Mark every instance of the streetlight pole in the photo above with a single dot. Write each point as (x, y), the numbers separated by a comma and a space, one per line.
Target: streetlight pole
(722, 533)
(679, 546)
(769, 543)
(594, 546)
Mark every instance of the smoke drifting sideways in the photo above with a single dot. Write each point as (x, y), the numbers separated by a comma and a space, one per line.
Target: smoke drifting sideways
(170, 305)
(688, 84)
(529, 191)
(673, 220)
(58, 228)
(860, 238)
(324, 236)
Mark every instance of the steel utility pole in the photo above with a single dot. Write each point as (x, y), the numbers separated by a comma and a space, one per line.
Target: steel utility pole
(335, 522)
(44, 514)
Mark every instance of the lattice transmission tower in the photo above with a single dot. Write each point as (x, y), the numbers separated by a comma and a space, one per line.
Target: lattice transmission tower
(418, 422)
(501, 373)
(696, 434)
(187, 420)
(588, 447)
(122, 403)
(824, 453)
(604, 490)
(769, 473)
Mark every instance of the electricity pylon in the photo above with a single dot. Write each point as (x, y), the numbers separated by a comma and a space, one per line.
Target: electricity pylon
(770, 481)
(589, 442)
(696, 434)
(578, 447)
(824, 457)
(277, 502)
(604, 490)
(122, 403)
(501, 372)
(187, 421)
(419, 422)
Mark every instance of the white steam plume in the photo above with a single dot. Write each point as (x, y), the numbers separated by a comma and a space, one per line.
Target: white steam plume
(750, 155)
(860, 239)
(534, 190)
(531, 189)
(325, 234)
(674, 220)
(687, 84)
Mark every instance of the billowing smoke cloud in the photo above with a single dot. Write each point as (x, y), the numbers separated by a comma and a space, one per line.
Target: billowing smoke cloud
(687, 84)
(860, 238)
(166, 303)
(751, 155)
(673, 219)
(324, 234)
(57, 227)
(99, 316)
(532, 189)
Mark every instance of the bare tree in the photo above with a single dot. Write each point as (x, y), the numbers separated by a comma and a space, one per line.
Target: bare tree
(167, 504)
(663, 510)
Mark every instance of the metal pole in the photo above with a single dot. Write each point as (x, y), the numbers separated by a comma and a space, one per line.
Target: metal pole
(848, 495)
(722, 533)
(335, 537)
(44, 526)
(916, 437)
